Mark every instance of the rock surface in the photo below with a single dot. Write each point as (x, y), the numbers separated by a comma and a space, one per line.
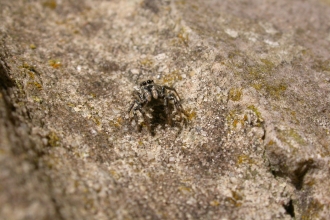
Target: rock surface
(254, 78)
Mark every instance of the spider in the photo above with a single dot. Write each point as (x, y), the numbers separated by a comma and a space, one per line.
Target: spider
(158, 101)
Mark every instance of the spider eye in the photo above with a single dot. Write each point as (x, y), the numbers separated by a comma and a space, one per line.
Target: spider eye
(150, 81)
(143, 83)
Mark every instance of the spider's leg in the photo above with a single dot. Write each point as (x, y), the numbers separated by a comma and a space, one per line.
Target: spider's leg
(131, 107)
(138, 100)
(172, 89)
(135, 116)
(167, 111)
(177, 104)
(145, 118)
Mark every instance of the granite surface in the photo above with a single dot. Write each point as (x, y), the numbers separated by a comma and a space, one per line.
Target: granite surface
(254, 78)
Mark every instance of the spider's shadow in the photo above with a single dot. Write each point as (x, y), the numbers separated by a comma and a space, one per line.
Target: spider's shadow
(160, 119)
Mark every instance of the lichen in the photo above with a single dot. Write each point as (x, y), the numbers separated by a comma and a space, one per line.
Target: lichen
(50, 4)
(255, 110)
(55, 63)
(244, 159)
(235, 94)
(191, 114)
(172, 77)
(146, 62)
(275, 90)
(291, 138)
(53, 139)
(312, 210)
(117, 122)
(183, 36)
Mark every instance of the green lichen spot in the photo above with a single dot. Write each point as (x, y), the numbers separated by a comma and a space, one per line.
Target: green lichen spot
(235, 94)
(53, 139)
(255, 110)
(276, 90)
(269, 65)
(291, 137)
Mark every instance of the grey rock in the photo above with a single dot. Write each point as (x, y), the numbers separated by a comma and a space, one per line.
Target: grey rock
(254, 79)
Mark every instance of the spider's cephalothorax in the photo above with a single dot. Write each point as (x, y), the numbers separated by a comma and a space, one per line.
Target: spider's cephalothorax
(158, 101)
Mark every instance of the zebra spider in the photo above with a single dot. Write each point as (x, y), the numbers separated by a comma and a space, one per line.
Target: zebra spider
(162, 102)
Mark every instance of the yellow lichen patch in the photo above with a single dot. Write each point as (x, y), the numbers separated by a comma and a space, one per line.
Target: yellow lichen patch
(28, 67)
(37, 99)
(185, 189)
(235, 94)
(257, 86)
(232, 116)
(255, 110)
(31, 75)
(233, 201)
(32, 46)
(236, 195)
(191, 114)
(214, 203)
(146, 62)
(172, 77)
(93, 95)
(50, 4)
(182, 2)
(53, 139)
(269, 65)
(276, 90)
(235, 122)
(245, 118)
(38, 85)
(183, 36)
(244, 159)
(114, 174)
(35, 85)
(258, 72)
(270, 143)
(96, 120)
(55, 63)
(117, 122)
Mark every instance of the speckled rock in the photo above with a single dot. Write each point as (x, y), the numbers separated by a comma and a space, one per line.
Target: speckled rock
(255, 81)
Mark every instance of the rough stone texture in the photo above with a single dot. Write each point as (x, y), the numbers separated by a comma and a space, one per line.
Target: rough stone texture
(254, 78)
